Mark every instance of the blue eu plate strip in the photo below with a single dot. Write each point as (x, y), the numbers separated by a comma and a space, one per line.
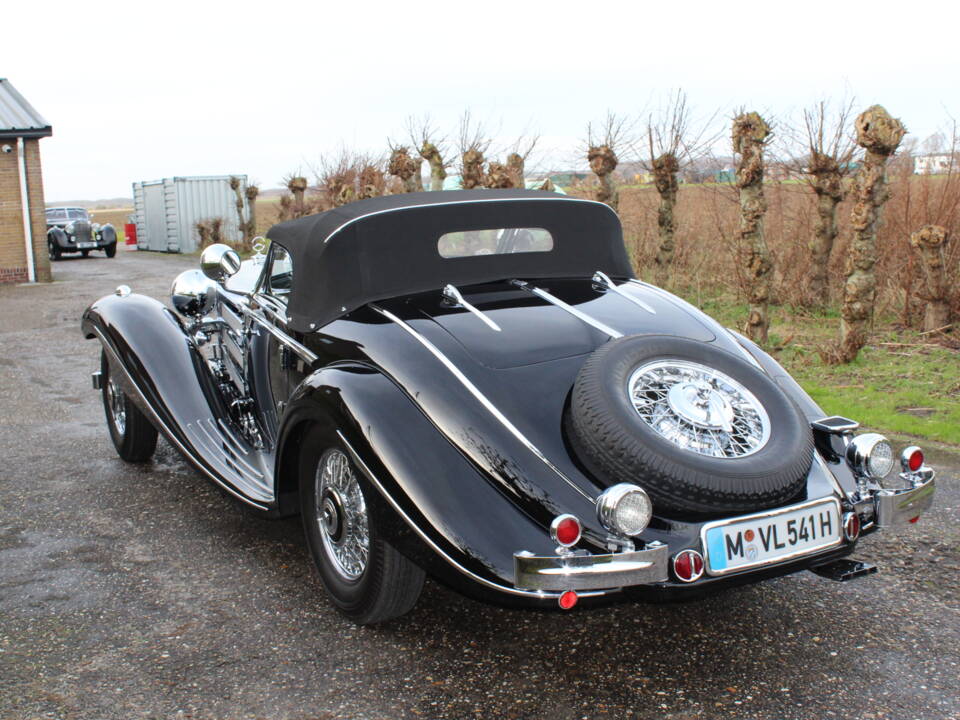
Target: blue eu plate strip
(715, 550)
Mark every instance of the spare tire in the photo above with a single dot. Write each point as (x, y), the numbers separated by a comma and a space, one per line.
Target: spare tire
(700, 429)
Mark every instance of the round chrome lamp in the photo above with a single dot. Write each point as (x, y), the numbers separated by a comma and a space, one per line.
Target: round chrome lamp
(625, 509)
(871, 456)
(218, 262)
(192, 294)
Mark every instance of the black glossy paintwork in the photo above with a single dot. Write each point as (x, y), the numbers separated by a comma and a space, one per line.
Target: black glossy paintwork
(473, 489)
(150, 342)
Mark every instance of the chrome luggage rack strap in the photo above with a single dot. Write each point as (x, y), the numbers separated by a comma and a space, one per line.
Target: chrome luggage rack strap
(481, 398)
(603, 280)
(580, 315)
(453, 297)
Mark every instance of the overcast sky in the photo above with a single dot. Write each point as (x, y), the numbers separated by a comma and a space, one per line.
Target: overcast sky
(140, 91)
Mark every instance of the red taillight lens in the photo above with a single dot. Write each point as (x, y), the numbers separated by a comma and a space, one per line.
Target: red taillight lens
(565, 530)
(915, 461)
(688, 565)
(851, 526)
(568, 599)
(911, 459)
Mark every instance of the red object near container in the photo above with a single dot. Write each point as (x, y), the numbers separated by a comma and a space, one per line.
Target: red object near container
(130, 233)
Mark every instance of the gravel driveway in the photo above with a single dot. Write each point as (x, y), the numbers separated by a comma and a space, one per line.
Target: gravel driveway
(147, 593)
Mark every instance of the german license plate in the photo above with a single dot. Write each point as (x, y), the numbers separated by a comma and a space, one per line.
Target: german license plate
(771, 537)
(84, 246)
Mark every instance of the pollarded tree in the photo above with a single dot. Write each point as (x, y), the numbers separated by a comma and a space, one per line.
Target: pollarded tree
(510, 174)
(931, 242)
(672, 144)
(432, 148)
(879, 135)
(823, 154)
(602, 147)
(750, 136)
(474, 143)
(405, 167)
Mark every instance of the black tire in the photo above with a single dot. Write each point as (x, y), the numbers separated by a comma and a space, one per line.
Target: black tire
(389, 584)
(135, 437)
(53, 250)
(614, 443)
(110, 249)
(85, 253)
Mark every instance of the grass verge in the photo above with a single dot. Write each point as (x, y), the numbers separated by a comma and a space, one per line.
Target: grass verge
(900, 383)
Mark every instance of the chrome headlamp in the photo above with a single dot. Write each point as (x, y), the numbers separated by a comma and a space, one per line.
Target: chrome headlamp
(625, 509)
(70, 227)
(870, 455)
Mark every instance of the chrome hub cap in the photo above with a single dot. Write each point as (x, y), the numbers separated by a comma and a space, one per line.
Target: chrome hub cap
(699, 409)
(118, 406)
(342, 516)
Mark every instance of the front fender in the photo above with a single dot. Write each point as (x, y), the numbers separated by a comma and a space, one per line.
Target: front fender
(108, 234)
(58, 236)
(159, 369)
(471, 528)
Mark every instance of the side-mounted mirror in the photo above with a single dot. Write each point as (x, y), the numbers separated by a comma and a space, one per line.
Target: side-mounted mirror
(218, 262)
(192, 294)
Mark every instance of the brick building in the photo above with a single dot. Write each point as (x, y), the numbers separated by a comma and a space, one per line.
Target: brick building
(21, 190)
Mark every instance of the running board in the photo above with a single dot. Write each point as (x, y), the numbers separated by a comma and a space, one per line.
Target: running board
(240, 463)
(843, 570)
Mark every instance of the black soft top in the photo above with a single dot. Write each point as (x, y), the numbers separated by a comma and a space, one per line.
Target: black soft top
(387, 246)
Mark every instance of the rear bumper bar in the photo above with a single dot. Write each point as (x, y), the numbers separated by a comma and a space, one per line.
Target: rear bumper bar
(591, 572)
(896, 507)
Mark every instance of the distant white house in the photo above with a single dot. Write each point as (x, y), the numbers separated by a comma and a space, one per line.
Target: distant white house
(933, 164)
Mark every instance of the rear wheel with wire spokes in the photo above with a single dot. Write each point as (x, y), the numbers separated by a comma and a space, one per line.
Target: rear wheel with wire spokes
(367, 579)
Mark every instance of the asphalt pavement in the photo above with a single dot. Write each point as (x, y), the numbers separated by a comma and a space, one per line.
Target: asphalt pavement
(145, 592)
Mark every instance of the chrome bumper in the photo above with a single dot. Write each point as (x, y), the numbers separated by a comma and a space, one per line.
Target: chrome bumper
(590, 572)
(896, 507)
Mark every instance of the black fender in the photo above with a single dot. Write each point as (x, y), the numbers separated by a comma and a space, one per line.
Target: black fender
(59, 237)
(108, 234)
(449, 518)
(159, 370)
(808, 406)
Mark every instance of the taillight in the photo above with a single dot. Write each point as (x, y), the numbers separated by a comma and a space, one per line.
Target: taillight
(688, 565)
(911, 459)
(851, 526)
(568, 599)
(565, 530)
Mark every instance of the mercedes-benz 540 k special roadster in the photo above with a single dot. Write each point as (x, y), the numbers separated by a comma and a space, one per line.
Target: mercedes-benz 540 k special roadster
(474, 385)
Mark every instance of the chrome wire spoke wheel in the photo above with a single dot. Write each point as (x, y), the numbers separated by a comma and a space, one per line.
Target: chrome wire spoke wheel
(699, 408)
(341, 514)
(118, 407)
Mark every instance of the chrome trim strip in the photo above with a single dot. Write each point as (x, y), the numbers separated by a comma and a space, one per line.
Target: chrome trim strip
(762, 516)
(467, 202)
(230, 462)
(603, 279)
(480, 397)
(237, 445)
(591, 572)
(544, 295)
(232, 456)
(299, 349)
(429, 541)
(453, 296)
(163, 427)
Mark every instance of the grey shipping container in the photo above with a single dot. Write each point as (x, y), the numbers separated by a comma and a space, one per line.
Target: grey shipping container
(167, 211)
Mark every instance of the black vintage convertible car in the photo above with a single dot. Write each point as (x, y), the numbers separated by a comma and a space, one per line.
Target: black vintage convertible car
(72, 230)
(474, 385)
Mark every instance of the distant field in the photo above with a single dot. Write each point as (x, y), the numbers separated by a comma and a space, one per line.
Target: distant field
(116, 217)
